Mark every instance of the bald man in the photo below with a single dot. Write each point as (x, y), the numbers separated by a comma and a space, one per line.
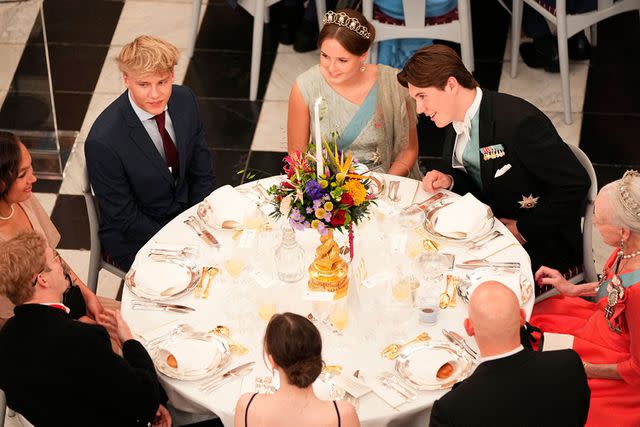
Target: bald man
(512, 386)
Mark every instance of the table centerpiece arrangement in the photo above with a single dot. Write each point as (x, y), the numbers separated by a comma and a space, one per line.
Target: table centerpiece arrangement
(324, 192)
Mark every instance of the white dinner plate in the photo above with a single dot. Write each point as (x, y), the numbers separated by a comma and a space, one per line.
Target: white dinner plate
(214, 355)
(478, 275)
(417, 365)
(162, 278)
(431, 218)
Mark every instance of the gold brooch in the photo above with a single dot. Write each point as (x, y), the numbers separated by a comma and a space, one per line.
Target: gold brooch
(528, 202)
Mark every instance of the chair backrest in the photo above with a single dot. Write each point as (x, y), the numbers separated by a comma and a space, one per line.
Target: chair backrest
(3, 407)
(458, 30)
(590, 274)
(95, 255)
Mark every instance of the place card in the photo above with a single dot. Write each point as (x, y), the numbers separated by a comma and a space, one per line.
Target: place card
(352, 385)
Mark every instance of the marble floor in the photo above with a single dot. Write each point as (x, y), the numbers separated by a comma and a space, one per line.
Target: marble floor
(58, 73)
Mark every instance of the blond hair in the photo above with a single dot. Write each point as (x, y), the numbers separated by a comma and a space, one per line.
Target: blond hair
(148, 54)
(21, 259)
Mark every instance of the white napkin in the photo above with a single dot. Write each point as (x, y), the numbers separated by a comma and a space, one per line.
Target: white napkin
(492, 246)
(388, 394)
(465, 215)
(229, 204)
(156, 277)
(191, 354)
(510, 279)
(427, 368)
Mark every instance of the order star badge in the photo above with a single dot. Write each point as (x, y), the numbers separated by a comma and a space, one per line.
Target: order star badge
(528, 202)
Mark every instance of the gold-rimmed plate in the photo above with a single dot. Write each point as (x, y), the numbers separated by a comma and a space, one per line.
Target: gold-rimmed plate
(213, 353)
(163, 278)
(418, 365)
(431, 219)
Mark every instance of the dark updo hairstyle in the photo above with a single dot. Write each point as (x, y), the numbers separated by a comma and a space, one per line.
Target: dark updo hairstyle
(295, 345)
(349, 39)
(10, 157)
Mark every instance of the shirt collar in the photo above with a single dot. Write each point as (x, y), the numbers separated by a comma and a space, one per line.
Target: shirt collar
(518, 349)
(465, 125)
(142, 115)
(57, 305)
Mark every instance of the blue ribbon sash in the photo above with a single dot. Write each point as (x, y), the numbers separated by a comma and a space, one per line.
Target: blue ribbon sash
(359, 120)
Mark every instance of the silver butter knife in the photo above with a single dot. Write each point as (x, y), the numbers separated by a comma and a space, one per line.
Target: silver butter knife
(164, 304)
(238, 371)
(159, 308)
(458, 340)
(504, 265)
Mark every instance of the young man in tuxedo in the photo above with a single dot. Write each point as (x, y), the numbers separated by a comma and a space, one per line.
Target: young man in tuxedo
(506, 152)
(58, 371)
(146, 153)
(511, 385)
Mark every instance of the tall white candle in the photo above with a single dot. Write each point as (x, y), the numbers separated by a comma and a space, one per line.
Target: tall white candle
(318, 138)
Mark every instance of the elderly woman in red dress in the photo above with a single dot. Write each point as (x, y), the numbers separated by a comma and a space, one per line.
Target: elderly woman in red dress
(607, 332)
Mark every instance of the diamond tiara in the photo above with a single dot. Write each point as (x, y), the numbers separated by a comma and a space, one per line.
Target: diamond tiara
(627, 200)
(343, 20)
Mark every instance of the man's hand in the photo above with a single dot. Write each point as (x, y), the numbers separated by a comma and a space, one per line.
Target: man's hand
(115, 325)
(512, 226)
(549, 276)
(435, 180)
(162, 418)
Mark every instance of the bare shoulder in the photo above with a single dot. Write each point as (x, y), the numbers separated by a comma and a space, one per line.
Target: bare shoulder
(242, 402)
(348, 414)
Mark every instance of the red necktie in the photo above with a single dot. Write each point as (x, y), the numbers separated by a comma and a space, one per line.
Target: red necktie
(170, 151)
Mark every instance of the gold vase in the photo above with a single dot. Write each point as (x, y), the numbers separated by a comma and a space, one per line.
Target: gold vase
(329, 272)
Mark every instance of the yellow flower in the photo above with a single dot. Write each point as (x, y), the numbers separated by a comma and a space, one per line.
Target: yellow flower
(340, 176)
(356, 190)
(328, 206)
(314, 223)
(320, 213)
(323, 183)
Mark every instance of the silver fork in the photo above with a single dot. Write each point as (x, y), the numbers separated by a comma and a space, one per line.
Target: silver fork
(390, 380)
(480, 242)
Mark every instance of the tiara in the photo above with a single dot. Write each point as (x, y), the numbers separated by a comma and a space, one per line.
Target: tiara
(343, 20)
(627, 200)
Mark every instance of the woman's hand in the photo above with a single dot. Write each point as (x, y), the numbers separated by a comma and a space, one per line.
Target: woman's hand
(162, 418)
(549, 276)
(94, 307)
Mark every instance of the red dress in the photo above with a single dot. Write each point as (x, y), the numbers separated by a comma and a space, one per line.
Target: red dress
(613, 402)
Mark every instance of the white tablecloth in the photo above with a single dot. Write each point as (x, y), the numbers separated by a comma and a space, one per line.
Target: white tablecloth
(358, 348)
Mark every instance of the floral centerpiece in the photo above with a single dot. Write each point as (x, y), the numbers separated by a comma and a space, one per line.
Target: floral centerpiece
(325, 195)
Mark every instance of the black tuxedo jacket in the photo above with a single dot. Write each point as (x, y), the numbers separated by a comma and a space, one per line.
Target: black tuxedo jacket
(526, 389)
(57, 371)
(137, 195)
(541, 166)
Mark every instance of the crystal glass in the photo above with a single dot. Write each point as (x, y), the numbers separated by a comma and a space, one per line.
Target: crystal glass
(339, 317)
(289, 257)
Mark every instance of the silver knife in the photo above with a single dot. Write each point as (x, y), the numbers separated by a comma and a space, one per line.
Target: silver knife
(504, 265)
(458, 340)
(164, 304)
(158, 308)
(238, 371)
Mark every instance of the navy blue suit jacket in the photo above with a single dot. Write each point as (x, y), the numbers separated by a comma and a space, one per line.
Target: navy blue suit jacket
(137, 195)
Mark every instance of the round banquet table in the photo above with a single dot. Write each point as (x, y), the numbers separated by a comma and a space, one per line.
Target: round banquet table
(234, 303)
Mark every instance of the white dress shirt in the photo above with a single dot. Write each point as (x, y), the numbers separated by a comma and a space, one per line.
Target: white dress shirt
(463, 131)
(151, 126)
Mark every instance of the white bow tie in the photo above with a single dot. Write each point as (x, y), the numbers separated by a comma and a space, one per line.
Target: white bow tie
(462, 127)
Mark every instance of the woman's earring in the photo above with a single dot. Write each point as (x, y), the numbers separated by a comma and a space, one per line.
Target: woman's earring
(362, 68)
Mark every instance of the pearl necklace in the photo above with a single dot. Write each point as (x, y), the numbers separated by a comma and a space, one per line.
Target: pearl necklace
(5, 218)
(629, 256)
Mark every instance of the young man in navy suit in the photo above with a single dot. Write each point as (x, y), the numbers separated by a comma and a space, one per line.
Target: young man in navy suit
(506, 152)
(146, 153)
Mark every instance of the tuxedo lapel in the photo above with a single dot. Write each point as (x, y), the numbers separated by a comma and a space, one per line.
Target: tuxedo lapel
(487, 123)
(180, 127)
(142, 139)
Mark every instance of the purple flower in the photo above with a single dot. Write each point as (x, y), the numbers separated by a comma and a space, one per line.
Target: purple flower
(309, 211)
(322, 229)
(296, 225)
(327, 216)
(313, 189)
(317, 204)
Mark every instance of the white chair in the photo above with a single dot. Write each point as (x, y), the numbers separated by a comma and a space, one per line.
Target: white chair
(567, 26)
(588, 273)
(195, 21)
(414, 27)
(3, 407)
(321, 10)
(96, 263)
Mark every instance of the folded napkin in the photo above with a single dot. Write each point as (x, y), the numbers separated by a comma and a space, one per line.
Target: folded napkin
(228, 204)
(159, 331)
(426, 369)
(510, 279)
(491, 247)
(189, 354)
(465, 215)
(156, 277)
(388, 394)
